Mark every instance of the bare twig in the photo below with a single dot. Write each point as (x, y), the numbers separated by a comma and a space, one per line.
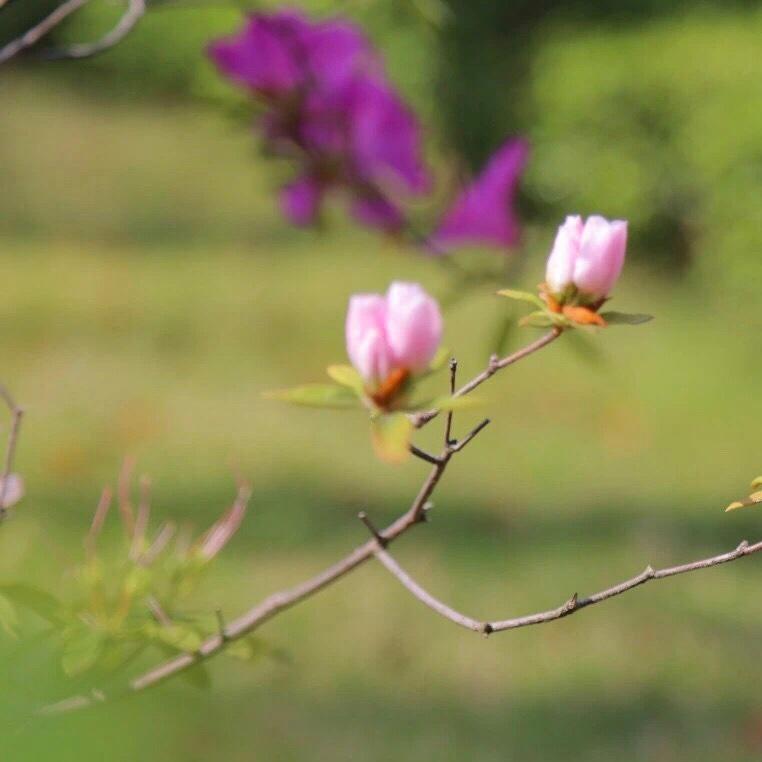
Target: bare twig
(495, 364)
(572, 605)
(17, 413)
(158, 612)
(133, 13)
(38, 31)
(99, 517)
(448, 427)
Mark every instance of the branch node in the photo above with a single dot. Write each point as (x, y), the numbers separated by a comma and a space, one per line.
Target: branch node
(571, 604)
(371, 527)
(494, 364)
(487, 629)
(742, 546)
(649, 572)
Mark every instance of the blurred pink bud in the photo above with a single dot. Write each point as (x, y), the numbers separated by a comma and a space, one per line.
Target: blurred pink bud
(588, 256)
(398, 332)
(11, 491)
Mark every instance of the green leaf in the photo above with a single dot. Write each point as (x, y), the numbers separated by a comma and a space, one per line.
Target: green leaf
(8, 617)
(391, 437)
(82, 649)
(440, 358)
(316, 395)
(38, 601)
(453, 403)
(346, 375)
(757, 483)
(246, 649)
(522, 296)
(626, 318)
(180, 637)
(539, 319)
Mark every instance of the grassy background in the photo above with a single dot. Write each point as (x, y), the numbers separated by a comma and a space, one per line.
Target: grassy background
(151, 293)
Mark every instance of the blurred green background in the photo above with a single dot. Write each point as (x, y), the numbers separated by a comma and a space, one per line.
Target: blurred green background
(152, 293)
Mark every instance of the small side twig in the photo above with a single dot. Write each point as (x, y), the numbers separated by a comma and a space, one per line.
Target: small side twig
(371, 527)
(17, 414)
(133, 13)
(448, 427)
(39, 30)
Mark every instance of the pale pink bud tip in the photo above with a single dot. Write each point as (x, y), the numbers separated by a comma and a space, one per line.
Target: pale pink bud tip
(399, 331)
(587, 256)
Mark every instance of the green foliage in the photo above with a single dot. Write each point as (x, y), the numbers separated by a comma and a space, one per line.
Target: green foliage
(391, 435)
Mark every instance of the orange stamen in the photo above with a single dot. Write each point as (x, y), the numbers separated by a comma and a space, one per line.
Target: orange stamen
(390, 387)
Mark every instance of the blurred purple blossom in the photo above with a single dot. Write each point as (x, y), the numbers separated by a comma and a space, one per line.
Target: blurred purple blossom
(328, 104)
(483, 213)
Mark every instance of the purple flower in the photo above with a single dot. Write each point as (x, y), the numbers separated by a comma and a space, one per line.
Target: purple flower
(483, 213)
(330, 106)
(276, 54)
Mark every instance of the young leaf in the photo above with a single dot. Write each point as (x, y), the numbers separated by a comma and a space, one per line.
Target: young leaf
(82, 650)
(8, 616)
(346, 375)
(246, 649)
(316, 395)
(626, 318)
(757, 483)
(177, 636)
(391, 437)
(539, 319)
(40, 602)
(453, 403)
(440, 358)
(522, 296)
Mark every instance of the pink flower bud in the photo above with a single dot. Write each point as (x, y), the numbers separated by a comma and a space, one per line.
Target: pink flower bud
(587, 256)
(400, 331)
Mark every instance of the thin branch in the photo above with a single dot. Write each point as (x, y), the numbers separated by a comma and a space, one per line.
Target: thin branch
(495, 364)
(17, 413)
(133, 13)
(283, 600)
(37, 32)
(571, 606)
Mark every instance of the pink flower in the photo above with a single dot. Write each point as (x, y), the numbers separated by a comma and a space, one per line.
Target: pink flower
(586, 257)
(394, 334)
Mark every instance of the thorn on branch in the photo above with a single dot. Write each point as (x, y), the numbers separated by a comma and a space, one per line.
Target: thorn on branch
(743, 545)
(371, 527)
